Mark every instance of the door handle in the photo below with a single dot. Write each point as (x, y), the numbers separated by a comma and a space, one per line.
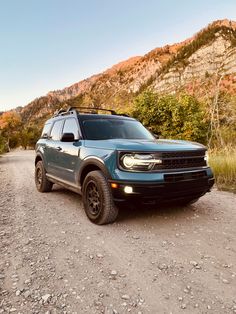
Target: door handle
(58, 148)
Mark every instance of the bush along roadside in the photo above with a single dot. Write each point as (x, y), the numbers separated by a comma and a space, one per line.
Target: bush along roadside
(223, 164)
(3, 145)
(13, 132)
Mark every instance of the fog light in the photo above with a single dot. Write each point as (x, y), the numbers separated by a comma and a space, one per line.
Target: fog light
(128, 189)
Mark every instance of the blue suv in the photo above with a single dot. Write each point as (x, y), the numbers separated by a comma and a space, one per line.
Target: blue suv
(111, 159)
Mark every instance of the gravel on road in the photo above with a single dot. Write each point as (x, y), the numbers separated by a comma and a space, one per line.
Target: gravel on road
(152, 260)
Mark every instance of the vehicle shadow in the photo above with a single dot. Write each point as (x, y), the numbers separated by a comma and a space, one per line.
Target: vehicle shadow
(57, 189)
(144, 211)
(131, 212)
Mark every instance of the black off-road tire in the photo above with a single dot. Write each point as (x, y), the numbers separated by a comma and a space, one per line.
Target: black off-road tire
(41, 181)
(97, 199)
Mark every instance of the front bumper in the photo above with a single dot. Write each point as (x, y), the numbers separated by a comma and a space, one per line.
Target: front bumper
(172, 188)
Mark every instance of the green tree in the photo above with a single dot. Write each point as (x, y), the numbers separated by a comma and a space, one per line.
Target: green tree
(9, 123)
(29, 136)
(222, 115)
(2, 144)
(172, 116)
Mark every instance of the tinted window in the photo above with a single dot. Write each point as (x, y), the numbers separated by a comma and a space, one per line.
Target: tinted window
(71, 126)
(46, 130)
(103, 129)
(56, 130)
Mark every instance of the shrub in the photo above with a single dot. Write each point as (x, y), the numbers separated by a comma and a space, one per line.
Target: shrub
(2, 144)
(223, 164)
(171, 116)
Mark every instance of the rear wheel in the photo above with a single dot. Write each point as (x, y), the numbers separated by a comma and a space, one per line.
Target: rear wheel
(97, 199)
(41, 181)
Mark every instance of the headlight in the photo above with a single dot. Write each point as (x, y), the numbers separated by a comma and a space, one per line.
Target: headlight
(141, 162)
(206, 158)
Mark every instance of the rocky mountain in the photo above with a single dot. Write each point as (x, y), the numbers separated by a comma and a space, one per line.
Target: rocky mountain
(210, 54)
(195, 65)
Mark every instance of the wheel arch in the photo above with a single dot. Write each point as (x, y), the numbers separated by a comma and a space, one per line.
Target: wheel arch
(89, 165)
(38, 157)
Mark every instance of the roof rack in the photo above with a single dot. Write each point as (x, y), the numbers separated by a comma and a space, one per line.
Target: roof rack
(91, 110)
(59, 112)
(123, 115)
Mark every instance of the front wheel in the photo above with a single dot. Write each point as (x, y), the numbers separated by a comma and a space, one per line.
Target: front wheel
(97, 199)
(41, 181)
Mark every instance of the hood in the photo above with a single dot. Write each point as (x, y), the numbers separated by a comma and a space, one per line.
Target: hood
(144, 145)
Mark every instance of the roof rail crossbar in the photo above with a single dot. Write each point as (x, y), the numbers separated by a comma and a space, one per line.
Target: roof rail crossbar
(91, 109)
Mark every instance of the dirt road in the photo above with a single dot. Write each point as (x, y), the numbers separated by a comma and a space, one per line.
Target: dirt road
(152, 260)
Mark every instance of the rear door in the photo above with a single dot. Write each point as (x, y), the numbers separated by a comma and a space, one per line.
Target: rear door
(43, 146)
(54, 149)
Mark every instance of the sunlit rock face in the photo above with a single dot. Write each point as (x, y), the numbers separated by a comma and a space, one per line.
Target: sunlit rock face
(193, 65)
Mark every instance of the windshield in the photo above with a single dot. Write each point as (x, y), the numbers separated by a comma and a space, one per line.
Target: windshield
(105, 129)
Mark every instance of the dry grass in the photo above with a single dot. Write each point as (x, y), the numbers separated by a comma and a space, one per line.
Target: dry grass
(223, 164)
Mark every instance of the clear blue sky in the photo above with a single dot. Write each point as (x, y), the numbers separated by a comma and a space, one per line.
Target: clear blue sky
(50, 44)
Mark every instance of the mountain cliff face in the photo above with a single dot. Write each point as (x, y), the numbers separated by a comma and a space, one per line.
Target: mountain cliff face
(194, 65)
(211, 53)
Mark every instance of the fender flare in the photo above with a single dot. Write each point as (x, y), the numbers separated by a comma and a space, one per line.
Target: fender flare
(90, 162)
(39, 155)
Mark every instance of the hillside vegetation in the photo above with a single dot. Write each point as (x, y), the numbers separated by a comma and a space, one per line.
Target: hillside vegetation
(201, 66)
(186, 91)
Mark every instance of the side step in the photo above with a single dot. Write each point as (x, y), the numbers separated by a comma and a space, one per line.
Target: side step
(68, 185)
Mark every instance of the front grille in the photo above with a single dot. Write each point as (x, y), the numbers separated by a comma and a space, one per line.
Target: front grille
(181, 163)
(180, 160)
(195, 153)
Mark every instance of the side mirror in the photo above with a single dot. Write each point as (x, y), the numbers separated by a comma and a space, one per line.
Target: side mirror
(44, 135)
(156, 135)
(67, 137)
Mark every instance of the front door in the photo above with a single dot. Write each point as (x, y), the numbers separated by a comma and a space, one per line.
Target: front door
(70, 151)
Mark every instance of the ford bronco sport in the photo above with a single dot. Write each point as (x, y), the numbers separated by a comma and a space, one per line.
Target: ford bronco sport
(112, 158)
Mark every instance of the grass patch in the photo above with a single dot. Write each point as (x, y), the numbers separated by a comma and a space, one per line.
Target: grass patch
(223, 164)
